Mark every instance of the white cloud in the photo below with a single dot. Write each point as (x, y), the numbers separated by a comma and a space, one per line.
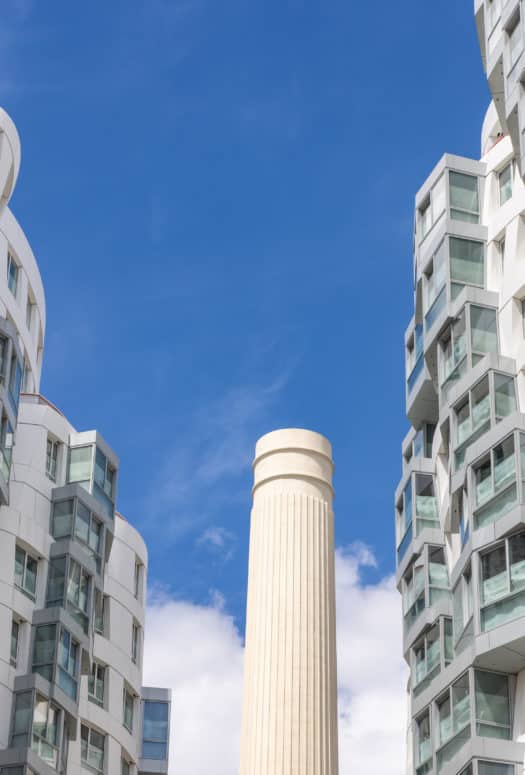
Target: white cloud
(198, 651)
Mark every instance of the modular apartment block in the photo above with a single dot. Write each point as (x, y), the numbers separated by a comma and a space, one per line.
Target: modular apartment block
(72, 569)
(460, 504)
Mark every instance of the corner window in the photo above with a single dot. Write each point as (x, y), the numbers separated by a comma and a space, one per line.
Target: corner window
(13, 272)
(155, 731)
(73, 595)
(25, 573)
(64, 658)
(464, 198)
(431, 653)
(92, 745)
(51, 458)
(503, 582)
(128, 707)
(97, 684)
(72, 519)
(505, 183)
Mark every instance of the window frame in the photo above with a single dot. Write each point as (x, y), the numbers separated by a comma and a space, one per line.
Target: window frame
(13, 278)
(21, 587)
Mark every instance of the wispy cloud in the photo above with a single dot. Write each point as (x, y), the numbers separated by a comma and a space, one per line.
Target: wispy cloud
(204, 470)
(207, 678)
(218, 541)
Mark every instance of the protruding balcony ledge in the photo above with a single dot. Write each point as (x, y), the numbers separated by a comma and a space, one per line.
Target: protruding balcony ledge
(20, 757)
(484, 748)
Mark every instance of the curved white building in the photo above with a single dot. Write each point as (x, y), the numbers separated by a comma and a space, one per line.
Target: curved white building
(72, 570)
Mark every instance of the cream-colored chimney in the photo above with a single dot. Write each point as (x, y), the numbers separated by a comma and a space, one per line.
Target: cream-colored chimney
(289, 724)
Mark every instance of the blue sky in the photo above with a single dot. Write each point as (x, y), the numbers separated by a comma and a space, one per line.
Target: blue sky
(220, 199)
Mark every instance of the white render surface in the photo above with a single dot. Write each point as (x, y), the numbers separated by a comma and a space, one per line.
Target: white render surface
(289, 724)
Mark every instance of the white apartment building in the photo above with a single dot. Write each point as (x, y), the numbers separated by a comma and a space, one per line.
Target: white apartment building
(460, 505)
(72, 569)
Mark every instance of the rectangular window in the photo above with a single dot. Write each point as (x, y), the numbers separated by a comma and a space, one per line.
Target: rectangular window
(6, 447)
(51, 459)
(22, 717)
(100, 612)
(492, 705)
(495, 768)
(427, 657)
(45, 730)
(74, 595)
(15, 382)
(155, 739)
(495, 484)
(453, 348)
(135, 642)
(425, 218)
(425, 502)
(97, 684)
(44, 650)
(464, 198)
(12, 274)
(454, 710)
(63, 516)
(92, 744)
(80, 466)
(467, 264)
(29, 312)
(137, 584)
(89, 531)
(462, 604)
(423, 739)
(505, 183)
(129, 703)
(104, 482)
(25, 572)
(515, 42)
(68, 661)
(15, 633)
(503, 582)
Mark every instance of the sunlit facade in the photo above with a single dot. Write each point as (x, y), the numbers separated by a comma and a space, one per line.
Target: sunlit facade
(460, 504)
(72, 569)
